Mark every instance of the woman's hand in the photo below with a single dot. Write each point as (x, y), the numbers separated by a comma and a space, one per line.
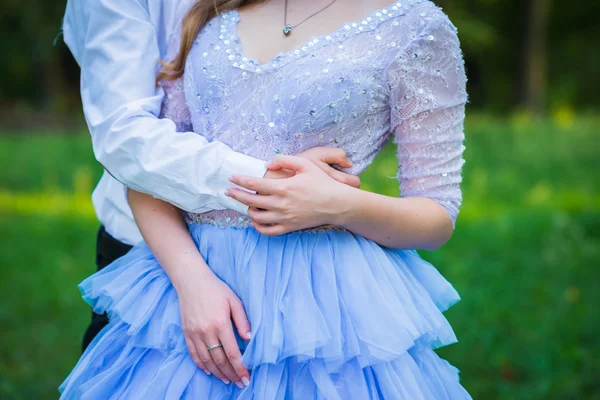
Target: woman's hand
(310, 198)
(207, 306)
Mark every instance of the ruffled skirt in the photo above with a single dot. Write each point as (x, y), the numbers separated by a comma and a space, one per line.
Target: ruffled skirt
(333, 316)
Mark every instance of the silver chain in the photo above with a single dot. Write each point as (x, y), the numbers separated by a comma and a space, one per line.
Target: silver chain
(287, 29)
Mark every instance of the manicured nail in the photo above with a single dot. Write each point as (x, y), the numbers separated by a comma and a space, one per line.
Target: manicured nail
(207, 372)
(246, 381)
(232, 178)
(249, 334)
(227, 192)
(225, 381)
(239, 384)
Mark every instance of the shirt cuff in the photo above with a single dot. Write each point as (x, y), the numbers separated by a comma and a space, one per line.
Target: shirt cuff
(237, 164)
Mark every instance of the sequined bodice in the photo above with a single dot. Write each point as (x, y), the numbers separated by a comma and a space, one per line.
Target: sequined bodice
(397, 73)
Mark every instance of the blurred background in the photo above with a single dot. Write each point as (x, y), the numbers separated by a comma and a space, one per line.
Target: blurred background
(526, 251)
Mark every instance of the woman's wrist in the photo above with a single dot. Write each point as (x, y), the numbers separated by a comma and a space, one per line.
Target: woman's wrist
(190, 271)
(346, 204)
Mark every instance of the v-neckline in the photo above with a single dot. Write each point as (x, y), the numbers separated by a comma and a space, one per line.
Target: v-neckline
(230, 37)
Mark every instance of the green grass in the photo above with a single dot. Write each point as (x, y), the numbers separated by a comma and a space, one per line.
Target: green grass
(524, 257)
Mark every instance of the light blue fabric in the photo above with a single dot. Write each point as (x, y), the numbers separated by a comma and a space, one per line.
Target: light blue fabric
(333, 315)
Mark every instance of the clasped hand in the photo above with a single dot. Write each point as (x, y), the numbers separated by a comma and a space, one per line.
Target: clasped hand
(312, 195)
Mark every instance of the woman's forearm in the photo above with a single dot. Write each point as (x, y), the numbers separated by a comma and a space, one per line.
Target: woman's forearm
(404, 223)
(207, 305)
(166, 234)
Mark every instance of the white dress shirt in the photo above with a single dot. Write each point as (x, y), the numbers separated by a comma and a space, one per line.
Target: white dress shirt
(118, 44)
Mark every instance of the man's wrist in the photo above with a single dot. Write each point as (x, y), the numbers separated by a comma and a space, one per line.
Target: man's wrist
(237, 164)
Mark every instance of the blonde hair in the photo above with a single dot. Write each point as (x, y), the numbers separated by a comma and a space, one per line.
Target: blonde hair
(193, 22)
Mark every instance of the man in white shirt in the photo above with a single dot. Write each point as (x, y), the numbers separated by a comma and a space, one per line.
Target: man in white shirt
(118, 45)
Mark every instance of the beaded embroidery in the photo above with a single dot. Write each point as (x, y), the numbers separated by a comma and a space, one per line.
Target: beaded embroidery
(398, 73)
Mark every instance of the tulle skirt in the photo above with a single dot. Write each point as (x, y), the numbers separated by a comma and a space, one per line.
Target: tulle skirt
(333, 316)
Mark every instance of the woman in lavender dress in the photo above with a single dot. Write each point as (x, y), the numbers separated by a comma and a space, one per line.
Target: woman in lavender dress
(336, 309)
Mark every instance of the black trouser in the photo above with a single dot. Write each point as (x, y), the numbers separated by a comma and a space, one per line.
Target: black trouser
(108, 249)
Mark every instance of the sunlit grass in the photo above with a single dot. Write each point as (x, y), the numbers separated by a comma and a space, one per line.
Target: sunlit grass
(524, 257)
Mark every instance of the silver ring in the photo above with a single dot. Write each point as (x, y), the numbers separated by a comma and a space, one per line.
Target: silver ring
(214, 346)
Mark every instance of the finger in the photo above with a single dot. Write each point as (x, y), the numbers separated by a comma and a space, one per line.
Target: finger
(271, 230)
(260, 185)
(238, 314)
(220, 359)
(250, 199)
(353, 180)
(342, 177)
(194, 354)
(264, 217)
(232, 352)
(293, 163)
(208, 361)
(336, 156)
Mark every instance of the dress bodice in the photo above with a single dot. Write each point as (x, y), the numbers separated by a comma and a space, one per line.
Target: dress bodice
(398, 73)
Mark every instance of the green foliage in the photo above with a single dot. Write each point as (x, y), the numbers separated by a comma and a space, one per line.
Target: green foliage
(524, 258)
(493, 33)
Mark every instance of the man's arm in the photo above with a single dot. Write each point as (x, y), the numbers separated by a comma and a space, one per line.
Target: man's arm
(118, 46)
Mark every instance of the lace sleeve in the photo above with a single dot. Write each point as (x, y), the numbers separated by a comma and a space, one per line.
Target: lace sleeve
(428, 97)
(174, 106)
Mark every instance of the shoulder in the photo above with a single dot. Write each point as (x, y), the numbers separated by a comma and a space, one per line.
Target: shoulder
(424, 18)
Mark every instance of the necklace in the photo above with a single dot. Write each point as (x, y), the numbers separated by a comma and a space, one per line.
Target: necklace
(287, 28)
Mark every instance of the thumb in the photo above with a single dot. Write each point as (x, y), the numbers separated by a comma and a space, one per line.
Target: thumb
(342, 177)
(336, 156)
(238, 314)
(292, 163)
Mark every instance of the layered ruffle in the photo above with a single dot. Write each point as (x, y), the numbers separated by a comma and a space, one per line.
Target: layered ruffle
(333, 316)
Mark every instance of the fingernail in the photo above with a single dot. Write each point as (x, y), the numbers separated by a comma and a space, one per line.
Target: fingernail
(249, 334)
(225, 381)
(246, 381)
(239, 384)
(227, 192)
(207, 372)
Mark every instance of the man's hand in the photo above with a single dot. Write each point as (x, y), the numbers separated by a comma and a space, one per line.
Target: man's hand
(324, 158)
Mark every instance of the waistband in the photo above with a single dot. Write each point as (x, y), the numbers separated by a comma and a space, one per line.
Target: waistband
(234, 219)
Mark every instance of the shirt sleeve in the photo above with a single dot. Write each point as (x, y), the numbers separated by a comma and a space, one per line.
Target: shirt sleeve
(428, 96)
(118, 44)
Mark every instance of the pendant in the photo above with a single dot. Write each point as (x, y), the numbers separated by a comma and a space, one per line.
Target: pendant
(287, 30)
